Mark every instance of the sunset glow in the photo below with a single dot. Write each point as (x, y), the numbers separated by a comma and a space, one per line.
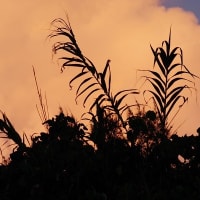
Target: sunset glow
(121, 31)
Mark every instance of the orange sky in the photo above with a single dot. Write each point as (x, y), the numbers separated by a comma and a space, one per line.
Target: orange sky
(118, 30)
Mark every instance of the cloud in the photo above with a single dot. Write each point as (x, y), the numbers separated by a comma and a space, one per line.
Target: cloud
(118, 30)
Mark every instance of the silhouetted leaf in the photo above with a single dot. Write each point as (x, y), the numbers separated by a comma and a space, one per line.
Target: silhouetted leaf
(174, 102)
(135, 91)
(174, 66)
(84, 90)
(157, 89)
(158, 99)
(157, 75)
(163, 57)
(103, 83)
(106, 68)
(118, 102)
(176, 91)
(156, 60)
(174, 80)
(77, 76)
(82, 83)
(99, 100)
(93, 91)
(73, 65)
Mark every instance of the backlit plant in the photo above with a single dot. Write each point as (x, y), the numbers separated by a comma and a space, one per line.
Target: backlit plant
(92, 82)
(169, 82)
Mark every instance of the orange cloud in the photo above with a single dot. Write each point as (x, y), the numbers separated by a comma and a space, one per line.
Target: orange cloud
(118, 30)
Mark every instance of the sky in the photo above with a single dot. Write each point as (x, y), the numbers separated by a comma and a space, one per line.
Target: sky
(191, 5)
(121, 31)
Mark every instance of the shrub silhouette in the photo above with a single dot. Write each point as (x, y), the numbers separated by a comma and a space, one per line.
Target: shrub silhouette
(115, 159)
(169, 83)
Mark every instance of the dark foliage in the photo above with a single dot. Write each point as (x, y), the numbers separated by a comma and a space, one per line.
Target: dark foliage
(62, 164)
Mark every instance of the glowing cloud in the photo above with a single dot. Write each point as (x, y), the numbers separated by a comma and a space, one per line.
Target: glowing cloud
(118, 30)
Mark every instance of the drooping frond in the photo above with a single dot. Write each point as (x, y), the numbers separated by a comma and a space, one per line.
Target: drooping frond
(93, 84)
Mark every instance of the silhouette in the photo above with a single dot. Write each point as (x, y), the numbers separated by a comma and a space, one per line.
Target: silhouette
(114, 158)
